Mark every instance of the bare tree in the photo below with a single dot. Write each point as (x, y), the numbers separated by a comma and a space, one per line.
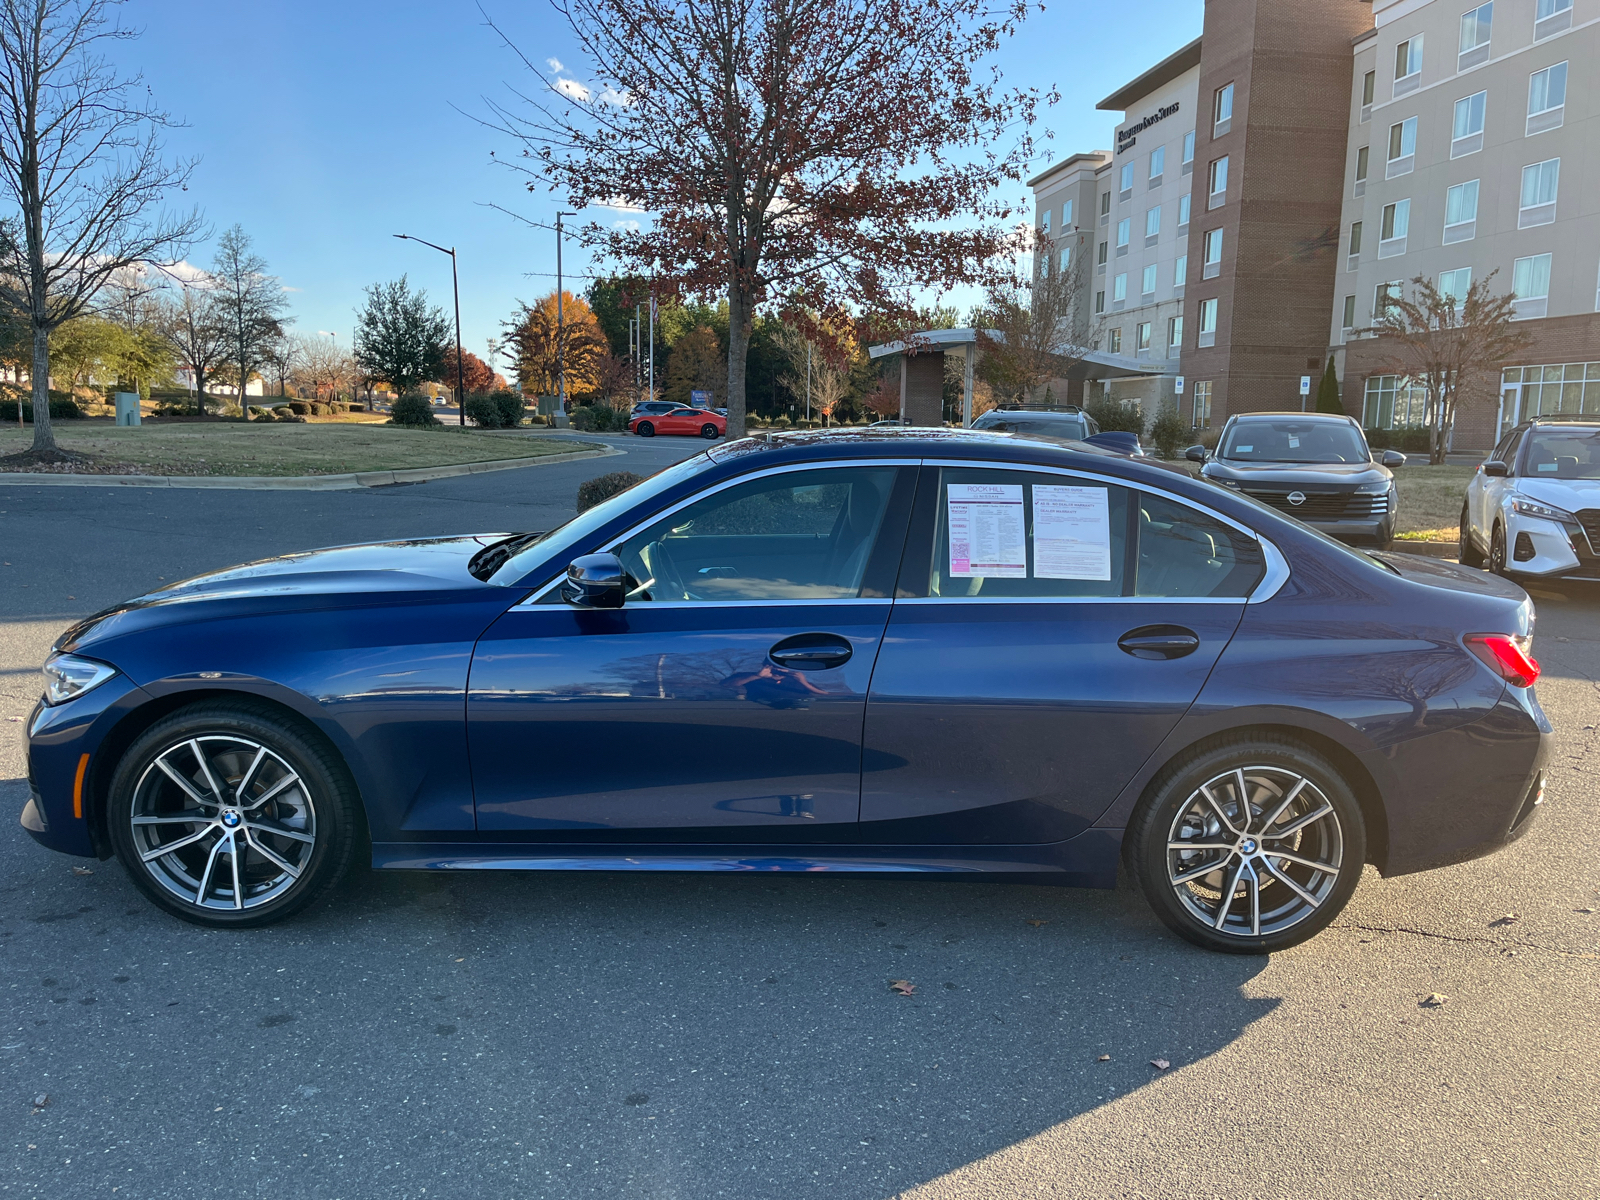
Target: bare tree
(282, 357)
(251, 302)
(324, 364)
(1033, 331)
(193, 327)
(820, 370)
(81, 161)
(1453, 345)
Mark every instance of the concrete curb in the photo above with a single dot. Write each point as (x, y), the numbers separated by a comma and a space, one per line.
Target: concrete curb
(297, 483)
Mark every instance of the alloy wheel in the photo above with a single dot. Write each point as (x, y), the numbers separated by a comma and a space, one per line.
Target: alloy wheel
(1254, 851)
(223, 822)
(1497, 551)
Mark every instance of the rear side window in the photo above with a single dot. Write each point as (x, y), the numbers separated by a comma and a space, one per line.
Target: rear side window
(1183, 552)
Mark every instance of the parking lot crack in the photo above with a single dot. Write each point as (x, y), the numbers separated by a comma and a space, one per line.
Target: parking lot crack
(1499, 943)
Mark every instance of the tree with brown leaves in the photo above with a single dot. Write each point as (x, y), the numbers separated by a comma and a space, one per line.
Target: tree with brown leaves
(1033, 331)
(534, 334)
(476, 375)
(814, 154)
(1453, 345)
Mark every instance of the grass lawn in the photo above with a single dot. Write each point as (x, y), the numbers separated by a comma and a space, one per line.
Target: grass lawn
(286, 449)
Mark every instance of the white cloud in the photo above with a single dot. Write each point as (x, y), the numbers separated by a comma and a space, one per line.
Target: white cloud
(612, 96)
(630, 226)
(620, 205)
(555, 65)
(572, 90)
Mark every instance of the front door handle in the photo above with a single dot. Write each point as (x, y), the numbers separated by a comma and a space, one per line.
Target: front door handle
(812, 651)
(1159, 641)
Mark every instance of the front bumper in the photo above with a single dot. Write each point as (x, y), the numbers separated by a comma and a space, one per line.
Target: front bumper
(1377, 531)
(1539, 548)
(63, 744)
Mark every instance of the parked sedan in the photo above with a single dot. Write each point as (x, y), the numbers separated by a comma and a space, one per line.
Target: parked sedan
(938, 653)
(1316, 467)
(1533, 508)
(691, 422)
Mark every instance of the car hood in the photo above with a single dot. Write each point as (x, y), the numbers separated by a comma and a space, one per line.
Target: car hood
(1570, 494)
(1313, 474)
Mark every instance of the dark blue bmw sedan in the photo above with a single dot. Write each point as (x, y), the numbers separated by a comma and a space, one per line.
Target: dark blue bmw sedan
(947, 654)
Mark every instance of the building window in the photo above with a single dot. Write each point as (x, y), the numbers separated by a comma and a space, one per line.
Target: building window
(1180, 271)
(1105, 207)
(1408, 66)
(1119, 288)
(1369, 85)
(1222, 111)
(1530, 287)
(1044, 265)
(1572, 387)
(1066, 215)
(1551, 16)
(1211, 260)
(1202, 405)
(1402, 148)
(1188, 152)
(1066, 258)
(1104, 246)
(1158, 164)
(1539, 183)
(1044, 222)
(1127, 181)
(1363, 156)
(1114, 341)
(1148, 281)
(1347, 323)
(1475, 36)
(1547, 99)
(1393, 401)
(1382, 294)
(1152, 225)
(1461, 212)
(1453, 285)
(1355, 245)
(1466, 133)
(1099, 303)
(1141, 343)
(1392, 233)
(1174, 331)
(1124, 232)
(1183, 211)
(1219, 182)
(1208, 323)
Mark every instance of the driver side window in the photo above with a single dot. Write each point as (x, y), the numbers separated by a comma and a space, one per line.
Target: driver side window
(798, 535)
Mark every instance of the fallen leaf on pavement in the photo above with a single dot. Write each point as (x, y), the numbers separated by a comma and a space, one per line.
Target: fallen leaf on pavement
(1508, 919)
(41, 1100)
(902, 987)
(1433, 1000)
(83, 870)
(1104, 1058)
(1160, 1064)
(1037, 923)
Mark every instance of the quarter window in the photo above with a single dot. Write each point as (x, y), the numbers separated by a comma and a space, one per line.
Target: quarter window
(1183, 552)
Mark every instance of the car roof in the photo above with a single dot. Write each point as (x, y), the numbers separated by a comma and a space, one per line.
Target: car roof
(1290, 414)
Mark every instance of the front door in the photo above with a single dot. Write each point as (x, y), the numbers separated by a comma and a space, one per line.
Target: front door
(1510, 408)
(725, 699)
(1051, 633)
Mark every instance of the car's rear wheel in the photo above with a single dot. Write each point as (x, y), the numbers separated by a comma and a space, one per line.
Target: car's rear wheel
(227, 814)
(1497, 550)
(709, 432)
(645, 429)
(1470, 555)
(1251, 846)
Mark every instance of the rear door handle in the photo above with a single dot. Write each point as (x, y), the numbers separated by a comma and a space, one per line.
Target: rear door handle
(1159, 641)
(812, 651)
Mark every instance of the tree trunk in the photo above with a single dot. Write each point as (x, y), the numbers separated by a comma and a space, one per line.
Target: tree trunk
(739, 322)
(44, 434)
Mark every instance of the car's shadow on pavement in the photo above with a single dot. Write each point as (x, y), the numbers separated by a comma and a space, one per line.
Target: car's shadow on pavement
(587, 1034)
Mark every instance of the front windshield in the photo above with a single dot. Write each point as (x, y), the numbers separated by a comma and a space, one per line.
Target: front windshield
(592, 519)
(1292, 441)
(1564, 454)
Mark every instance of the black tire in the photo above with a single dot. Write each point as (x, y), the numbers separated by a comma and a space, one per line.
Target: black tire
(1264, 913)
(300, 811)
(1470, 555)
(1497, 551)
(709, 432)
(645, 429)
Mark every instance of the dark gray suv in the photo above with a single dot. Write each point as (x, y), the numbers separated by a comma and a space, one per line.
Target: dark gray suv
(1071, 423)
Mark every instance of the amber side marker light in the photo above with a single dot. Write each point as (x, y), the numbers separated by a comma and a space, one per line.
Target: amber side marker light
(1506, 656)
(77, 787)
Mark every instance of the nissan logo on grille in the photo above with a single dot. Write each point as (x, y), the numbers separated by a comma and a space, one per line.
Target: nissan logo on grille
(1297, 498)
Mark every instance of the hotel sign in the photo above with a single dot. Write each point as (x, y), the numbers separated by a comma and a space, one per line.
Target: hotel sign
(1126, 138)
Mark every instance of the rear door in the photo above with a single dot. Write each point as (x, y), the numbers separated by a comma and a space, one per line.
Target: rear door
(1049, 631)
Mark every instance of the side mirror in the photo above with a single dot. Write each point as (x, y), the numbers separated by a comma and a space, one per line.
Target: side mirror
(1195, 454)
(1393, 458)
(595, 581)
(1495, 467)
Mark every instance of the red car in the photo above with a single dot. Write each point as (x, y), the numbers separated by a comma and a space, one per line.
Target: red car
(691, 422)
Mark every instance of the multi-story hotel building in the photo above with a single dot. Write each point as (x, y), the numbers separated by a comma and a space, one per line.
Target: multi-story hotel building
(1274, 179)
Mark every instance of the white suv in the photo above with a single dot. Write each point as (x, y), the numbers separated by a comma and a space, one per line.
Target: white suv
(1533, 507)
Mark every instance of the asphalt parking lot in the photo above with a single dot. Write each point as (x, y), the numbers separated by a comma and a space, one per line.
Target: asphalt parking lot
(487, 1035)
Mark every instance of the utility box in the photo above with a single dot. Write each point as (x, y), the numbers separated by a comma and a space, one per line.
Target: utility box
(127, 408)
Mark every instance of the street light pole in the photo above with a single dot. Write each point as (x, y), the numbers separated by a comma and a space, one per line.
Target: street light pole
(561, 333)
(455, 287)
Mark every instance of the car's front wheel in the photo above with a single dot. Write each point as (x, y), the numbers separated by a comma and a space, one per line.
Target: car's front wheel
(1249, 847)
(645, 429)
(227, 814)
(709, 432)
(1497, 550)
(1470, 555)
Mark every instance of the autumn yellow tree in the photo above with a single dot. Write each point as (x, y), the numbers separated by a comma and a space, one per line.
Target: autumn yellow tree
(533, 341)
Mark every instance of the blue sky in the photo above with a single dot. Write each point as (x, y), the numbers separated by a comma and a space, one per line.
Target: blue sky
(323, 128)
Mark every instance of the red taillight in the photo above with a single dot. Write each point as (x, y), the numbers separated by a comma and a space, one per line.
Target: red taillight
(1507, 656)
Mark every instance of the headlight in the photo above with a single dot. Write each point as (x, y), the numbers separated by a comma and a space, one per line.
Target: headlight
(1373, 489)
(67, 677)
(1532, 508)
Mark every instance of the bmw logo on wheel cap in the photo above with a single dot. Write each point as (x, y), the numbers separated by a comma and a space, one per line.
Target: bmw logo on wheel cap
(1297, 498)
(230, 819)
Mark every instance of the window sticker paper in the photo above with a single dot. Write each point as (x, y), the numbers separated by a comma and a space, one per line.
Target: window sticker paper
(987, 537)
(1071, 533)
(1246, 449)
